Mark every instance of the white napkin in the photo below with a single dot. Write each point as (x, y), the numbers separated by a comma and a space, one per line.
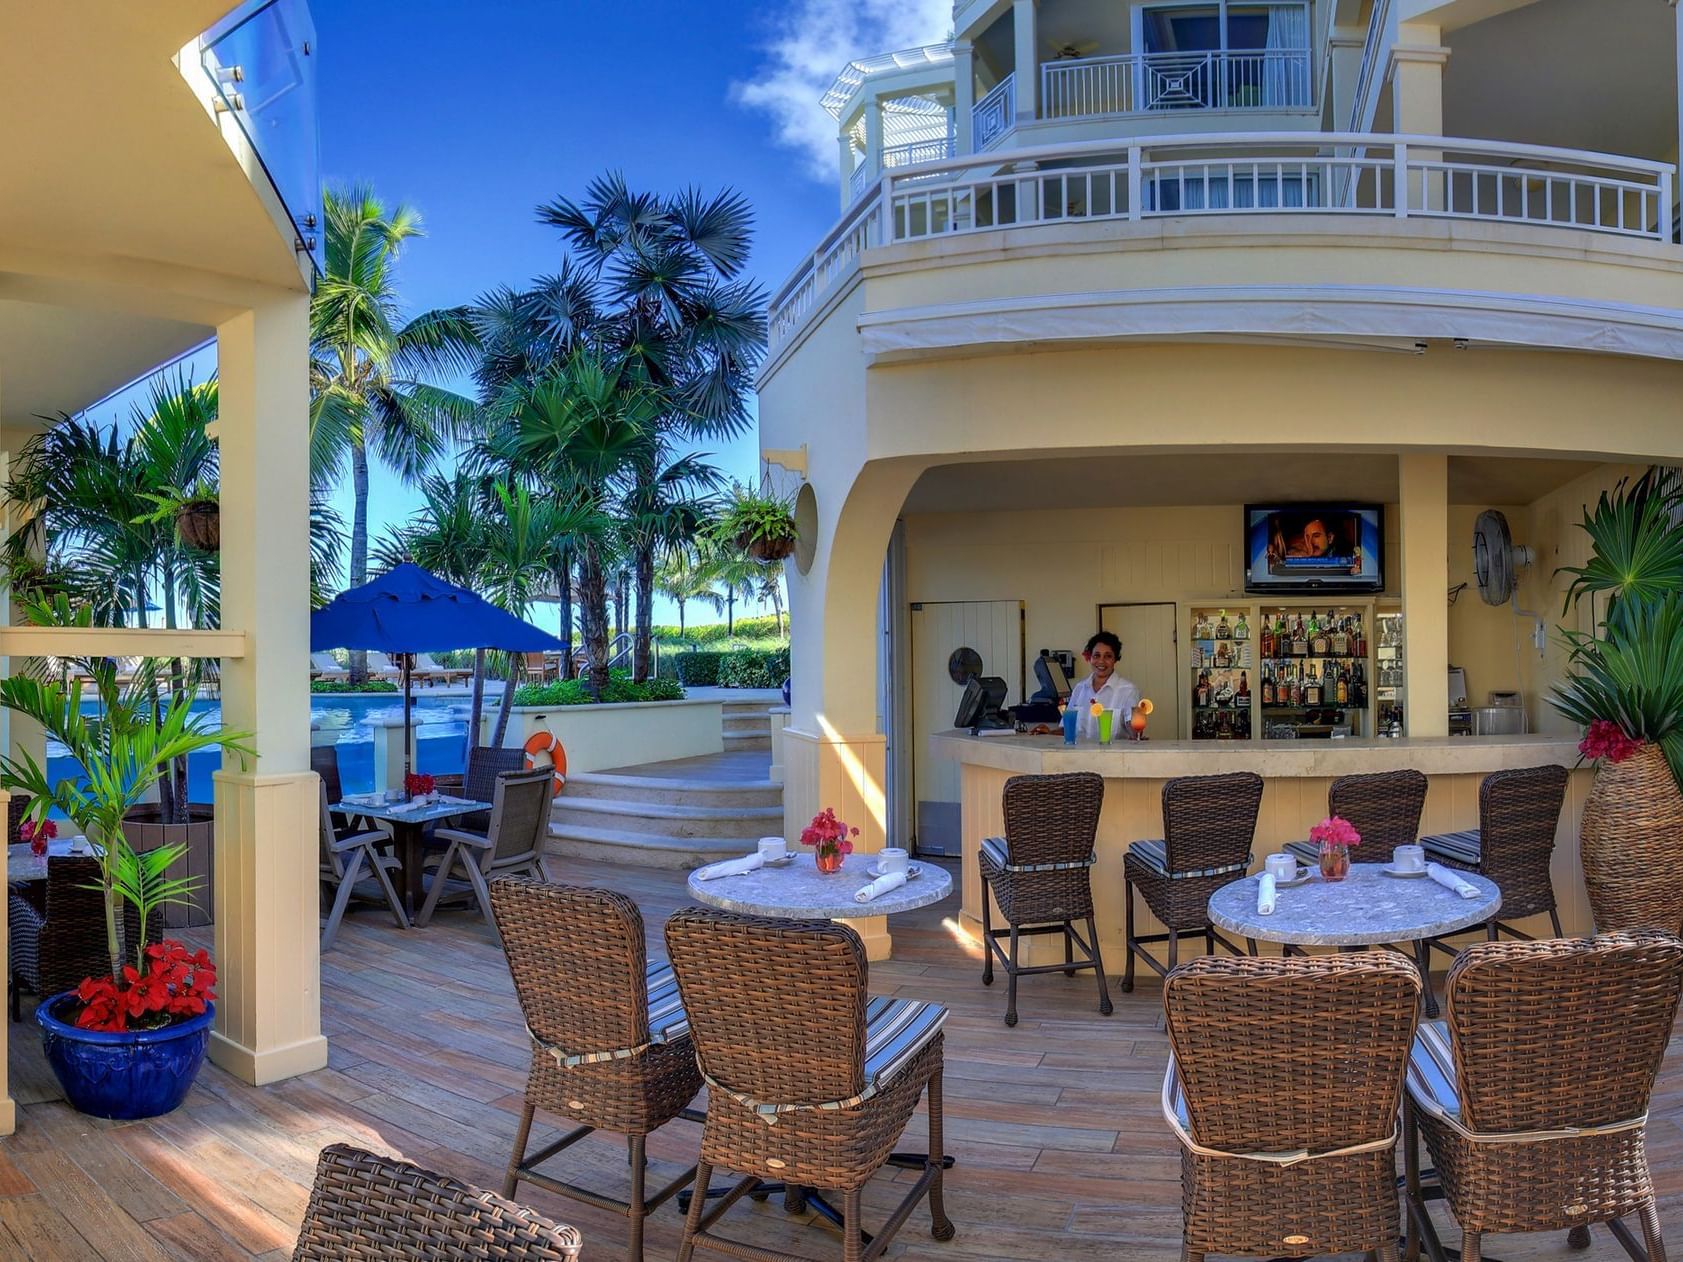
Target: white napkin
(1447, 878)
(882, 885)
(1265, 894)
(731, 867)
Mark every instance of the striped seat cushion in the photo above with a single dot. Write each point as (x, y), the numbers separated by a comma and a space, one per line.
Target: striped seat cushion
(1174, 1096)
(667, 1022)
(1462, 847)
(1155, 855)
(24, 944)
(1431, 1070)
(896, 1030)
(994, 851)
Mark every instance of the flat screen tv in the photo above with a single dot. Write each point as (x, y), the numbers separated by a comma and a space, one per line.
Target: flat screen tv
(1315, 547)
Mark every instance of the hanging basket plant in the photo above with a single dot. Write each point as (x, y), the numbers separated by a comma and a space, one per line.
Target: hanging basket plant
(199, 524)
(759, 526)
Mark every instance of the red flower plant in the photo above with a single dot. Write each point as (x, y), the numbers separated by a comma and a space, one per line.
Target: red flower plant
(1606, 739)
(1335, 830)
(418, 782)
(37, 835)
(176, 985)
(827, 834)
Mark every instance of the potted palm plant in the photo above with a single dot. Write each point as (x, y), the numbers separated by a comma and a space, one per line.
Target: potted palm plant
(129, 1042)
(762, 526)
(1625, 687)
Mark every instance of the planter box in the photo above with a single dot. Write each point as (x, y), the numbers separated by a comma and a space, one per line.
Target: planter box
(599, 737)
(144, 832)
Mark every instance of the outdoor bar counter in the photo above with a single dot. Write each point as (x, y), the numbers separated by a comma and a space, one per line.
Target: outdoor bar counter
(1295, 776)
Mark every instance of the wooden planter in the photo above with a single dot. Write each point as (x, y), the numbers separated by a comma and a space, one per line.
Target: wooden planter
(1632, 844)
(145, 832)
(766, 550)
(199, 524)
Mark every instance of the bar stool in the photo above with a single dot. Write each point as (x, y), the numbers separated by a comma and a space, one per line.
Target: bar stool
(1518, 813)
(1208, 825)
(1040, 873)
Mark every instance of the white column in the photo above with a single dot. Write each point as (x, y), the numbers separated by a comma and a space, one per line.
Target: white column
(873, 138)
(268, 1020)
(1344, 68)
(964, 97)
(1423, 506)
(1417, 102)
(845, 164)
(1677, 188)
(1027, 31)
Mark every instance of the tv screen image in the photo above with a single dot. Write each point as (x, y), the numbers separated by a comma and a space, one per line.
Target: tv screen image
(1313, 547)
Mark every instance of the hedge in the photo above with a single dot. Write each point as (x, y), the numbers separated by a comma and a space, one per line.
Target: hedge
(339, 685)
(577, 692)
(759, 627)
(741, 668)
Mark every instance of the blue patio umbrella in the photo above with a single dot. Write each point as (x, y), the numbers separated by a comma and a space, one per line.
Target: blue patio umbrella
(408, 611)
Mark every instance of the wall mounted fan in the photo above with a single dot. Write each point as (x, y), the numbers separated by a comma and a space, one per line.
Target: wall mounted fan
(1497, 559)
(963, 665)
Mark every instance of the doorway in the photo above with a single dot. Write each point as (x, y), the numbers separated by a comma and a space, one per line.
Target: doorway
(1149, 658)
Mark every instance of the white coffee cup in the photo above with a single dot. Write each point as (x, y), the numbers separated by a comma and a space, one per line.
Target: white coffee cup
(892, 859)
(1409, 858)
(773, 849)
(1282, 866)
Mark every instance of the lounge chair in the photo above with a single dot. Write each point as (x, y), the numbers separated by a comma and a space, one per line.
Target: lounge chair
(382, 667)
(322, 666)
(433, 673)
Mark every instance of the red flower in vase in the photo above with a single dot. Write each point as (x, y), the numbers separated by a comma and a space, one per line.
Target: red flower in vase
(418, 782)
(1606, 739)
(830, 839)
(37, 835)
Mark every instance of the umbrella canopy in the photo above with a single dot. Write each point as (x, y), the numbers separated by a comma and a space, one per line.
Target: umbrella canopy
(410, 611)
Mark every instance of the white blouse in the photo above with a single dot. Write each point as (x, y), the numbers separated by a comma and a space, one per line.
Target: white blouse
(1118, 694)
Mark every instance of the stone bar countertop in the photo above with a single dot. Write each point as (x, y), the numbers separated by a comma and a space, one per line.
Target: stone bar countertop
(1161, 759)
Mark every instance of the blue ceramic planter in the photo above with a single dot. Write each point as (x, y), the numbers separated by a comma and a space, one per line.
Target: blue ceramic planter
(132, 1074)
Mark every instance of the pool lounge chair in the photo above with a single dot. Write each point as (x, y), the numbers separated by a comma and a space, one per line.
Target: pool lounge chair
(322, 666)
(432, 672)
(382, 667)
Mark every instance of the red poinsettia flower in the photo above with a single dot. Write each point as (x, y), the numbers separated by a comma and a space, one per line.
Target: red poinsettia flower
(1606, 739)
(827, 834)
(176, 984)
(1335, 830)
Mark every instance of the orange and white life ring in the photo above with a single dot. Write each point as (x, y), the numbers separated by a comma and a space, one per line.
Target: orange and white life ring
(543, 742)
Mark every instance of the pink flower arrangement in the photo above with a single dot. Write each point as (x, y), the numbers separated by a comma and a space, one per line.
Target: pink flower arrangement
(37, 835)
(1335, 830)
(1606, 739)
(418, 782)
(828, 835)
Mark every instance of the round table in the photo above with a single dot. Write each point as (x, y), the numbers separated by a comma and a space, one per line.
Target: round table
(799, 890)
(1365, 909)
(22, 865)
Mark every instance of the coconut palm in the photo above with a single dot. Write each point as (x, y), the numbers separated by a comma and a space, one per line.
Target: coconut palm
(681, 579)
(736, 576)
(368, 367)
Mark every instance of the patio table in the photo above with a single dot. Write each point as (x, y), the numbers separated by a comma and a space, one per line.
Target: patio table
(407, 821)
(22, 866)
(1367, 908)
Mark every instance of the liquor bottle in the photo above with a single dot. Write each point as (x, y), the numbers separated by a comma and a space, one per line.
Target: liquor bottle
(1223, 655)
(1318, 641)
(1360, 649)
(1343, 692)
(1203, 687)
(1267, 638)
(1282, 637)
(1241, 628)
(1297, 685)
(1312, 689)
(1267, 682)
(1224, 692)
(1223, 631)
(1358, 686)
(1341, 637)
(1300, 639)
(1244, 697)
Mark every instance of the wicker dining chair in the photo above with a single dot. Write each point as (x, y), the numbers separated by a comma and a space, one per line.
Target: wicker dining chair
(1040, 873)
(1533, 1094)
(1518, 813)
(610, 1043)
(809, 1080)
(1208, 825)
(353, 865)
(365, 1206)
(1282, 1088)
(57, 930)
(511, 846)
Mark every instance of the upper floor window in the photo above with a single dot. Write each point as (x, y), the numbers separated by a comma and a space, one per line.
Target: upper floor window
(1224, 55)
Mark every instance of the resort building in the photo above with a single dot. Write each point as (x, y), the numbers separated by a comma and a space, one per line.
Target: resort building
(1107, 274)
(166, 163)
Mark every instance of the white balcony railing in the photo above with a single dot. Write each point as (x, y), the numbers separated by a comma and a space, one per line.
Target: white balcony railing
(1331, 174)
(994, 115)
(900, 156)
(1262, 79)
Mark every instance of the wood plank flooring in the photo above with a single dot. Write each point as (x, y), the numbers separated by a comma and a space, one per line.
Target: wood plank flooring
(1054, 1124)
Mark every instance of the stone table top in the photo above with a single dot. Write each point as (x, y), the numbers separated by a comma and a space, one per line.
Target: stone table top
(21, 865)
(369, 806)
(801, 891)
(1364, 909)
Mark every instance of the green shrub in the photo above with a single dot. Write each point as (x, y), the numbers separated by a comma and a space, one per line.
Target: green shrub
(697, 668)
(339, 685)
(760, 627)
(577, 691)
(740, 668)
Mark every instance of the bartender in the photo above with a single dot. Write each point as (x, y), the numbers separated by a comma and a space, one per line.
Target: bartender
(1104, 685)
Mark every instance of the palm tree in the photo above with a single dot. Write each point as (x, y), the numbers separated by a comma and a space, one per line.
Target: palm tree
(367, 365)
(737, 577)
(681, 579)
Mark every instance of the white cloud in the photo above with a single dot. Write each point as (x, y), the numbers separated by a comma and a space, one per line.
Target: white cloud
(809, 46)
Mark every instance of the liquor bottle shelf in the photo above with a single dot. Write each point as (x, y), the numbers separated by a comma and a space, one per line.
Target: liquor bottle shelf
(1316, 657)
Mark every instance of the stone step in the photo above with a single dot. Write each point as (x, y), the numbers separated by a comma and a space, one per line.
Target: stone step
(677, 790)
(674, 819)
(747, 740)
(648, 850)
(744, 721)
(748, 707)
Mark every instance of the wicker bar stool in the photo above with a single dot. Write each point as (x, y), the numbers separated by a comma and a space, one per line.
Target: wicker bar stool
(367, 1206)
(1518, 812)
(809, 1081)
(1283, 1088)
(610, 1044)
(1533, 1095)
(1208, 825)
(1040, 873)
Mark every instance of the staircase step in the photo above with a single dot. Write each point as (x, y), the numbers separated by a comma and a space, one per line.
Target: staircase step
(748, 707)
(675, 819)
(677, 790)
(747, 740)
(759, 721)
(649, 850)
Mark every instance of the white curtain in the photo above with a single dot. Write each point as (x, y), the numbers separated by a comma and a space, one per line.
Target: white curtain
(1285, 63)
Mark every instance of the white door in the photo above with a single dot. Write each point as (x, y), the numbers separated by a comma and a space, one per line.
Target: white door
(994, 628)
(1149, 659)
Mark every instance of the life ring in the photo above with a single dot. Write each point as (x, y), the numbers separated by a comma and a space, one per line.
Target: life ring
(543, 742)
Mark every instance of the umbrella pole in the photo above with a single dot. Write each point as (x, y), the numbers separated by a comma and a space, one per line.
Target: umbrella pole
(408, 719)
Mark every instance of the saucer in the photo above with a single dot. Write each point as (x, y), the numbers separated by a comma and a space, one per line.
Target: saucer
(1388, 870)
(1302, 878)
(913, 871)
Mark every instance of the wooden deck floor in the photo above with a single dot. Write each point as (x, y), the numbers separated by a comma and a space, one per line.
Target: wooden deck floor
(1054, 1124)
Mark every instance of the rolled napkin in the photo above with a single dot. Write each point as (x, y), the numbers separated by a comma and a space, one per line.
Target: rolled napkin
(730, 867)
(1265, 894)
(880, 886)
(1450, 879)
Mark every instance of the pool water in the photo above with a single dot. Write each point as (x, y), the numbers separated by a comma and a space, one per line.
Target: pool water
(441, 738)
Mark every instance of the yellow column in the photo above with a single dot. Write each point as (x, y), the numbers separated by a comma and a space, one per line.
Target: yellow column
(1417, 103)
(1423, 506)
(268, 1021)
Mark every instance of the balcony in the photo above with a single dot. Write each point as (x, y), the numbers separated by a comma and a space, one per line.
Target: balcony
(261, 66)
(995, 114)
(1348, 176)
(894, 156)
(1142, 83)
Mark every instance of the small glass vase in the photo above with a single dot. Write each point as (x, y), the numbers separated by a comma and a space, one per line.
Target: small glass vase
(1335, 862)
(829, 859)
